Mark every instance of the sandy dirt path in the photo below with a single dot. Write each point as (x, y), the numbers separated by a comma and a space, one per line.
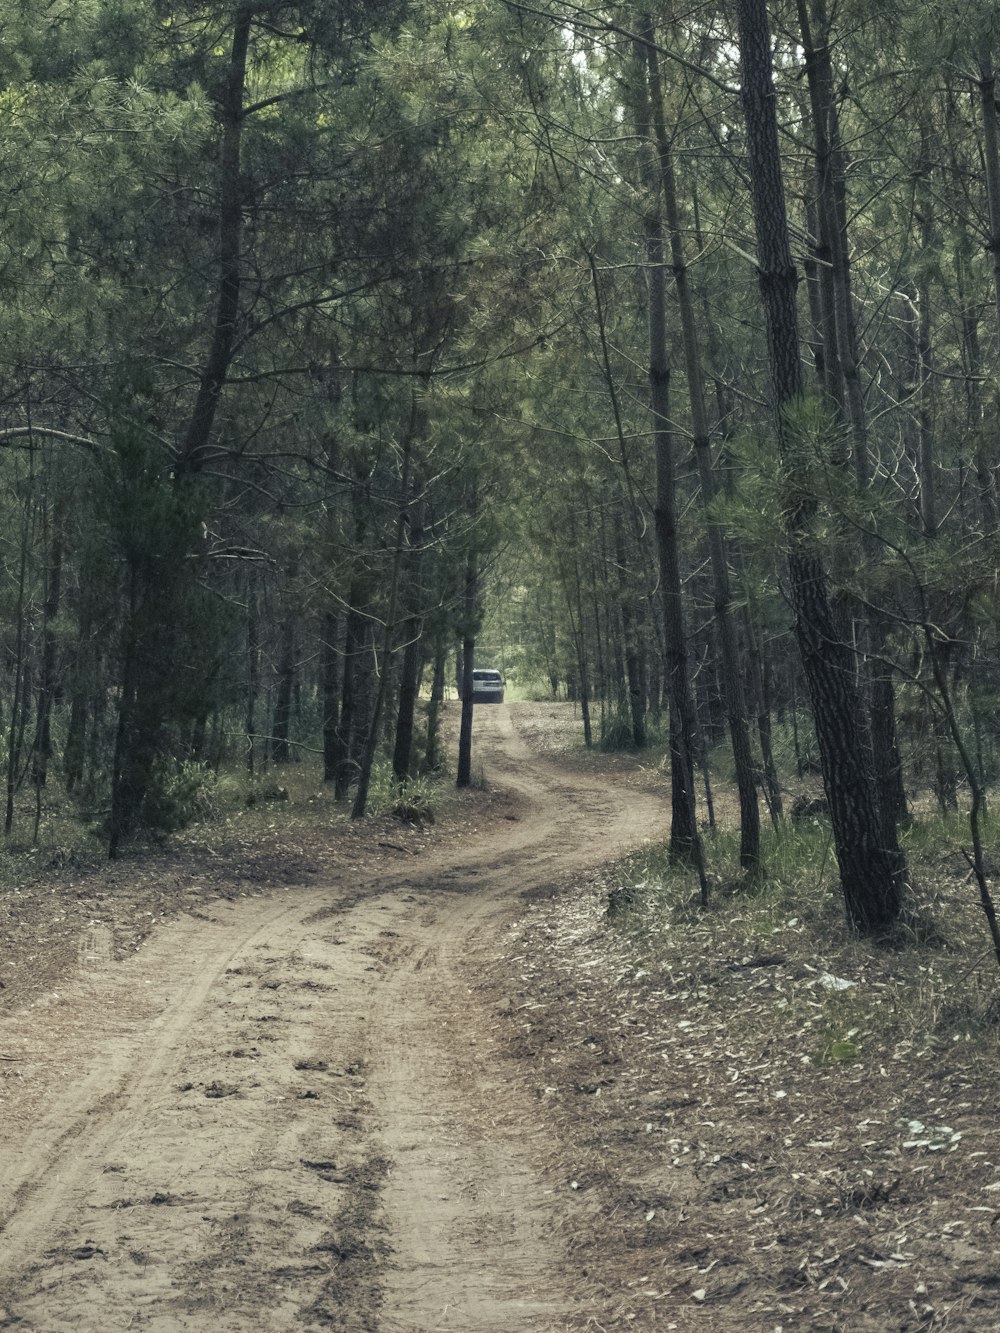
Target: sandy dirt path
(287, 1112)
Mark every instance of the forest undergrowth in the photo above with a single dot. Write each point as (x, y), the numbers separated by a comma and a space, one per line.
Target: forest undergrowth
(786, 1134)
(788, 1126)
(240, 838)
(767, 1121)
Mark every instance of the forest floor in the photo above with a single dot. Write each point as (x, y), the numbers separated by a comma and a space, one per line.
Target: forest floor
(382, 1077)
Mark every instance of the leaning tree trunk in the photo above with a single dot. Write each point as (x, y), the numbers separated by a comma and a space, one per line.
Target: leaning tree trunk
(871, 875)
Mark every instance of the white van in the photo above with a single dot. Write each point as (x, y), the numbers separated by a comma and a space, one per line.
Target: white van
(487, 686)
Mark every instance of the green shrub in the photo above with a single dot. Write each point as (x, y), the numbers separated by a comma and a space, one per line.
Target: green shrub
(412, 801)
(181, 792)
(616, 730)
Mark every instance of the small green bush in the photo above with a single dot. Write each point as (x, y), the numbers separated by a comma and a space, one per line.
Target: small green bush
(616, 731)
(412, 801)
(181, 792)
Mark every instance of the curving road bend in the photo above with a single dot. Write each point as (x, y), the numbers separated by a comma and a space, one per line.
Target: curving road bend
(289, 1112)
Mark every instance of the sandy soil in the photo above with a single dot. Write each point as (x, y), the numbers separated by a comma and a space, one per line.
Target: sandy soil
(384, 1079)
(297, 1110)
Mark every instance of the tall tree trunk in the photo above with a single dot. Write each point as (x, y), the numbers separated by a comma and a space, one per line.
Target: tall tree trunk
(220, 352)
(760, 681)
(630, 644)
(983, 453)
(252, 676)
(330, 648)
(580, 634)
(354, 636)
(871, 875)
(926, 462)
(595, 603)
(388, 637)
(991, 161)
(281, 724)
(818, 310)
(732, 676)
(842, 380)
(470, 617)
(19, 702)
(128, 776)
(845, 390)
(685, 842)
(463, 777)
(47, 680)
(74, 751)
(161, 579)
(330, 691)
(432, 755)
(409, 683)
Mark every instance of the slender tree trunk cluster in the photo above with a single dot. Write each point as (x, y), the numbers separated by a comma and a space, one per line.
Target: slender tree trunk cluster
(362, 355)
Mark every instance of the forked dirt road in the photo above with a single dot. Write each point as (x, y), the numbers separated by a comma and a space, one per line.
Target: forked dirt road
(288, 1113)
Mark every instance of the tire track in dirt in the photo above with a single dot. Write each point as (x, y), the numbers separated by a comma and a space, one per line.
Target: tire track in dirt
(478, 1220)
(290, 1115)
(193, 1159)
(71, 1138)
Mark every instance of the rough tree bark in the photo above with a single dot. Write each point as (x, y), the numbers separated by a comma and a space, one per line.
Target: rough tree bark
(872, 875)
(149, 636)
(732, 676)
(685, 842)
(220, 352)
(843, 382)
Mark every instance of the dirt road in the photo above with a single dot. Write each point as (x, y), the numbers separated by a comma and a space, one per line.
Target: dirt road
(288, 1112)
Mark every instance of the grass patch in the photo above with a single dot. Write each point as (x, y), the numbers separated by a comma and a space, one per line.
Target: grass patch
(415, 801)
(844, 999)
